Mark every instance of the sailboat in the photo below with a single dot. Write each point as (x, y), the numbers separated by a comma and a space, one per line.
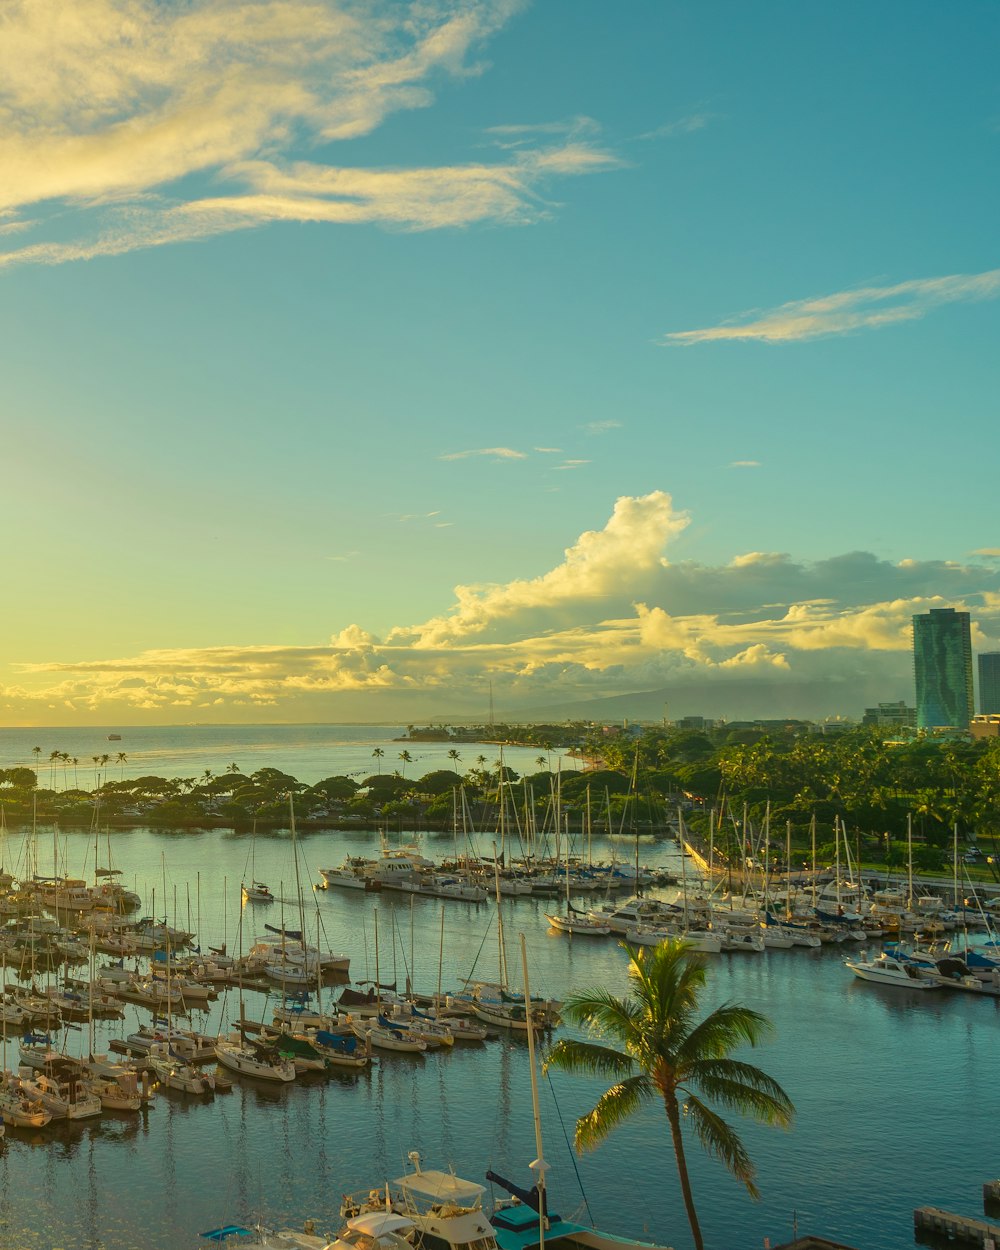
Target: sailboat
(380, 1031)
(573, 921)
(256, 891)
(491, 1001)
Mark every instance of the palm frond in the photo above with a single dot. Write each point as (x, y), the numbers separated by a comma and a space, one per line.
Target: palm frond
(571, 1055)
(727, 1027)
(613, 1107)
(743, 1088)
(722, 1142)
(603, 1012)
(666, 980)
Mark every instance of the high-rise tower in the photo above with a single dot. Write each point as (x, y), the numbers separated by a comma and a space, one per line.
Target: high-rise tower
(989, 682)
(942, 666)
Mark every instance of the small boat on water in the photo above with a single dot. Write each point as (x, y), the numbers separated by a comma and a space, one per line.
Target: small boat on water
(233, 1053)
(172, 1072)
(62, 1093)
(384, 1036)
(578, 922)
(115, 1095)
(374, 1230)
(886, 969)
(17, 1110)
(257, 892)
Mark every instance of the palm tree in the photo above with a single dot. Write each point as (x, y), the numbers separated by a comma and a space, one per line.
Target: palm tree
(377, 755)
(76, 775)
(541, 761)
(454, 755)
(407, 758)
(37, 753)
(123, 760)
(667, 1053)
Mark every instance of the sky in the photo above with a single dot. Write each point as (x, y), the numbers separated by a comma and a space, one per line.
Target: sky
(361, 358)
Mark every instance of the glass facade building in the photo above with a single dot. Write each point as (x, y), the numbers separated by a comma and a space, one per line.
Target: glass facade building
(942, 667)
(989, 683)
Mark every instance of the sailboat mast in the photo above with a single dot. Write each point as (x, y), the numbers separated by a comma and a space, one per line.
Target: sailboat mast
(539, 1166)
(298, 883)
(909, 861)
(501, 953)
(788, 870)
(684, 880)
(440, 960)
(836, 841)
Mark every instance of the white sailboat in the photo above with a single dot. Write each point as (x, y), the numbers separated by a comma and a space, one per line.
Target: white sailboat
(572, 921)
(255, 891)
(492, 1003)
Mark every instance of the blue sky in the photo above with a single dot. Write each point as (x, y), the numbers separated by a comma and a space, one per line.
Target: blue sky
(330, 329)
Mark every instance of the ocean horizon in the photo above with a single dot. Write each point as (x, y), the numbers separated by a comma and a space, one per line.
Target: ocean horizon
(308, 751)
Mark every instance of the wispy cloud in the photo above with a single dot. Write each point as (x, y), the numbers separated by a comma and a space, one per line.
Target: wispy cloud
(419, 516)
(548, 451)
(515, 135)
(116, 116)
(861, 308)
(681, 126)
(602, 427)
(495, 453)
(572, 464)
(744, 464)
(991, 553)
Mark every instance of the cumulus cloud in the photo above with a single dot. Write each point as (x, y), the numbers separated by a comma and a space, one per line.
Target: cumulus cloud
(615, 615)
(117, 116)
(602, 566)
(861, 308)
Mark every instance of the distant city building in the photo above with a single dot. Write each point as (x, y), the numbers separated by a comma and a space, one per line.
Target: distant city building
(942, 668)
(891, 716)
(985, 727)
(693, 722)
(989, 682)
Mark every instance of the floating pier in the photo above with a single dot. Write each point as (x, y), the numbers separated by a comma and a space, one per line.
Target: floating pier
(964, 1228)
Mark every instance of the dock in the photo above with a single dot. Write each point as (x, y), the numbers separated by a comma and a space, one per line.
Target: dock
(961, 1228)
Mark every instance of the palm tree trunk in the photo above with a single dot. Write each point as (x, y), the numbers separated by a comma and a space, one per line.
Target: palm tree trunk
(670, 1102)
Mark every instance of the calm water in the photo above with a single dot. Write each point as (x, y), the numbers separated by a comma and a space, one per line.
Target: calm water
(308, 752)
(896, 1092)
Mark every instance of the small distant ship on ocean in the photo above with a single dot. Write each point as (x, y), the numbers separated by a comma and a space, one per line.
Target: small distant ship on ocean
(114, 737)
